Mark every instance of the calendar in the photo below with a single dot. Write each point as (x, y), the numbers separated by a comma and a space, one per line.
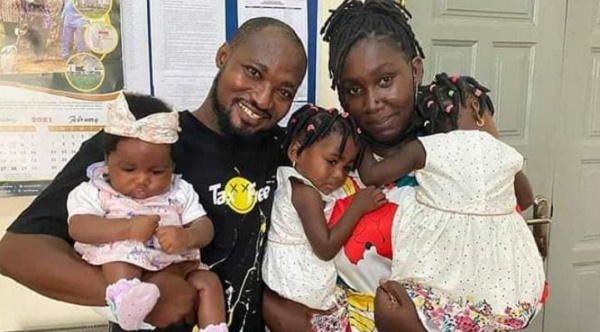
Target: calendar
(38, 138)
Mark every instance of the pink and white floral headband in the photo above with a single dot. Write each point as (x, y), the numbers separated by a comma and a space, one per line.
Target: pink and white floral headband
(157, 128)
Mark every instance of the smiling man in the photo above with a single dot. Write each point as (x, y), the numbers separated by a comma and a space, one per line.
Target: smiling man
(228, 150)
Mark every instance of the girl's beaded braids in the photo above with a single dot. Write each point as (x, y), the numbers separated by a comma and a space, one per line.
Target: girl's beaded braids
(310, 124)
(438, 103)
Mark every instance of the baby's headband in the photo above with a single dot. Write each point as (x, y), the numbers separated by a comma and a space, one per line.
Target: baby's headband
(157, 128)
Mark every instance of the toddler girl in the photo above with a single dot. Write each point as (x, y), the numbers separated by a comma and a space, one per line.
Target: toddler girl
(464, 254)
(135, 215)
(322, 146)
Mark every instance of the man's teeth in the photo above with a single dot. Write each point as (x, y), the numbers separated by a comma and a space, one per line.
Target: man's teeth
(251, 114)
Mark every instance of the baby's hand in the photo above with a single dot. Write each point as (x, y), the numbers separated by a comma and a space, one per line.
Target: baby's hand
(172, 239)
(142, 227)
(369, 199)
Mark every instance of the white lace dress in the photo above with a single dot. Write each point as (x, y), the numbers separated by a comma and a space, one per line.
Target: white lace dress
(466, 256)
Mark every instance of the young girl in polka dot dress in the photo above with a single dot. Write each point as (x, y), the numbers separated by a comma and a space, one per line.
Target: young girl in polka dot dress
(322, 146)
(463, 252)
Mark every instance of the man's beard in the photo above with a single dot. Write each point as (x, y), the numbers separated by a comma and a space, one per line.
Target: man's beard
(223, 114)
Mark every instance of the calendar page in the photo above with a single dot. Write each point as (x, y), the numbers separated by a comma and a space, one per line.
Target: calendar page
(52, 95)
(39, 133)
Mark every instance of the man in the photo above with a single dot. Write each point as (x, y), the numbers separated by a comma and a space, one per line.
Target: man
(228, 151)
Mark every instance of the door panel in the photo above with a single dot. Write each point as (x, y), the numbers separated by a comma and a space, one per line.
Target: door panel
(574, 266)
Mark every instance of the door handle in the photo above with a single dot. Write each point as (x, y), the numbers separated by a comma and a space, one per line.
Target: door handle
(542, 219)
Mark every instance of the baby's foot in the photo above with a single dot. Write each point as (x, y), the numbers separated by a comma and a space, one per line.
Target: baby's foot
(132, 301)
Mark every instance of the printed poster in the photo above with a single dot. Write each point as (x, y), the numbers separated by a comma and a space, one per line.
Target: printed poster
(60, 61)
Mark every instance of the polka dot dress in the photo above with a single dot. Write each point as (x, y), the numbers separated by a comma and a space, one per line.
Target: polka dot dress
(466, 257)
(290, 267)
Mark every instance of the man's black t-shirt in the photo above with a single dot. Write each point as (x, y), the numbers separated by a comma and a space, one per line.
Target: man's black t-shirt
(235, 179)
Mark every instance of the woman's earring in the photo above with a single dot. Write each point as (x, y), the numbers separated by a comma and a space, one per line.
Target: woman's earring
(480, 122)
(293, 164)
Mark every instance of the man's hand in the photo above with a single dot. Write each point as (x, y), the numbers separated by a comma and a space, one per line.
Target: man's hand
(172, 239)
(177, 297)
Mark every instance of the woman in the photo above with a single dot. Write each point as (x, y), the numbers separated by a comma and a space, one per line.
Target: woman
(376, 66)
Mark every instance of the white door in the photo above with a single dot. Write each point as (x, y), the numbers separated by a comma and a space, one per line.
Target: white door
(574, 263)
(515, 48)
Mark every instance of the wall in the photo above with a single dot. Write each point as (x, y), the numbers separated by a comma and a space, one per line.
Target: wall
(324, 95)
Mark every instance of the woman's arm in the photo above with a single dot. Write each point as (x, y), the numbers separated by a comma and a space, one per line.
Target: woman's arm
(410, 157)
(326, 242)
(283, 315)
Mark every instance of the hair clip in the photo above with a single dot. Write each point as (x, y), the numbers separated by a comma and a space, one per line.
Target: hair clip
(477, 92)
(310, 127)
(429, 103)
(449, 108)
(358, 130)
(450, 93)
(454, 78)
(426, 123)
(431, 87)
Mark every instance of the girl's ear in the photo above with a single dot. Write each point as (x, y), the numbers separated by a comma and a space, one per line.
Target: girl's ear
(292, 151)
(475, 107)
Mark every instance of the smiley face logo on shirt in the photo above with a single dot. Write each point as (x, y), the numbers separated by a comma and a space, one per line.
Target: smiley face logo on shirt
(240, 195)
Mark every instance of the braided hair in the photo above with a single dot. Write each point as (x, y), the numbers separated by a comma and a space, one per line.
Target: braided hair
(355, 20)
(311, 124)
(439, 102)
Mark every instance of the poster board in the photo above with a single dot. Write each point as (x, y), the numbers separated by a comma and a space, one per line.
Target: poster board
(166, 48)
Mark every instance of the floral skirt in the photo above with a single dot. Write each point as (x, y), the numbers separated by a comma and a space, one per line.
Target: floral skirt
(337, 321)
(439, 313)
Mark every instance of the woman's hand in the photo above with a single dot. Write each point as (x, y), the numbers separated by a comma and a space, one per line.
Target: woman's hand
(394, 310)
